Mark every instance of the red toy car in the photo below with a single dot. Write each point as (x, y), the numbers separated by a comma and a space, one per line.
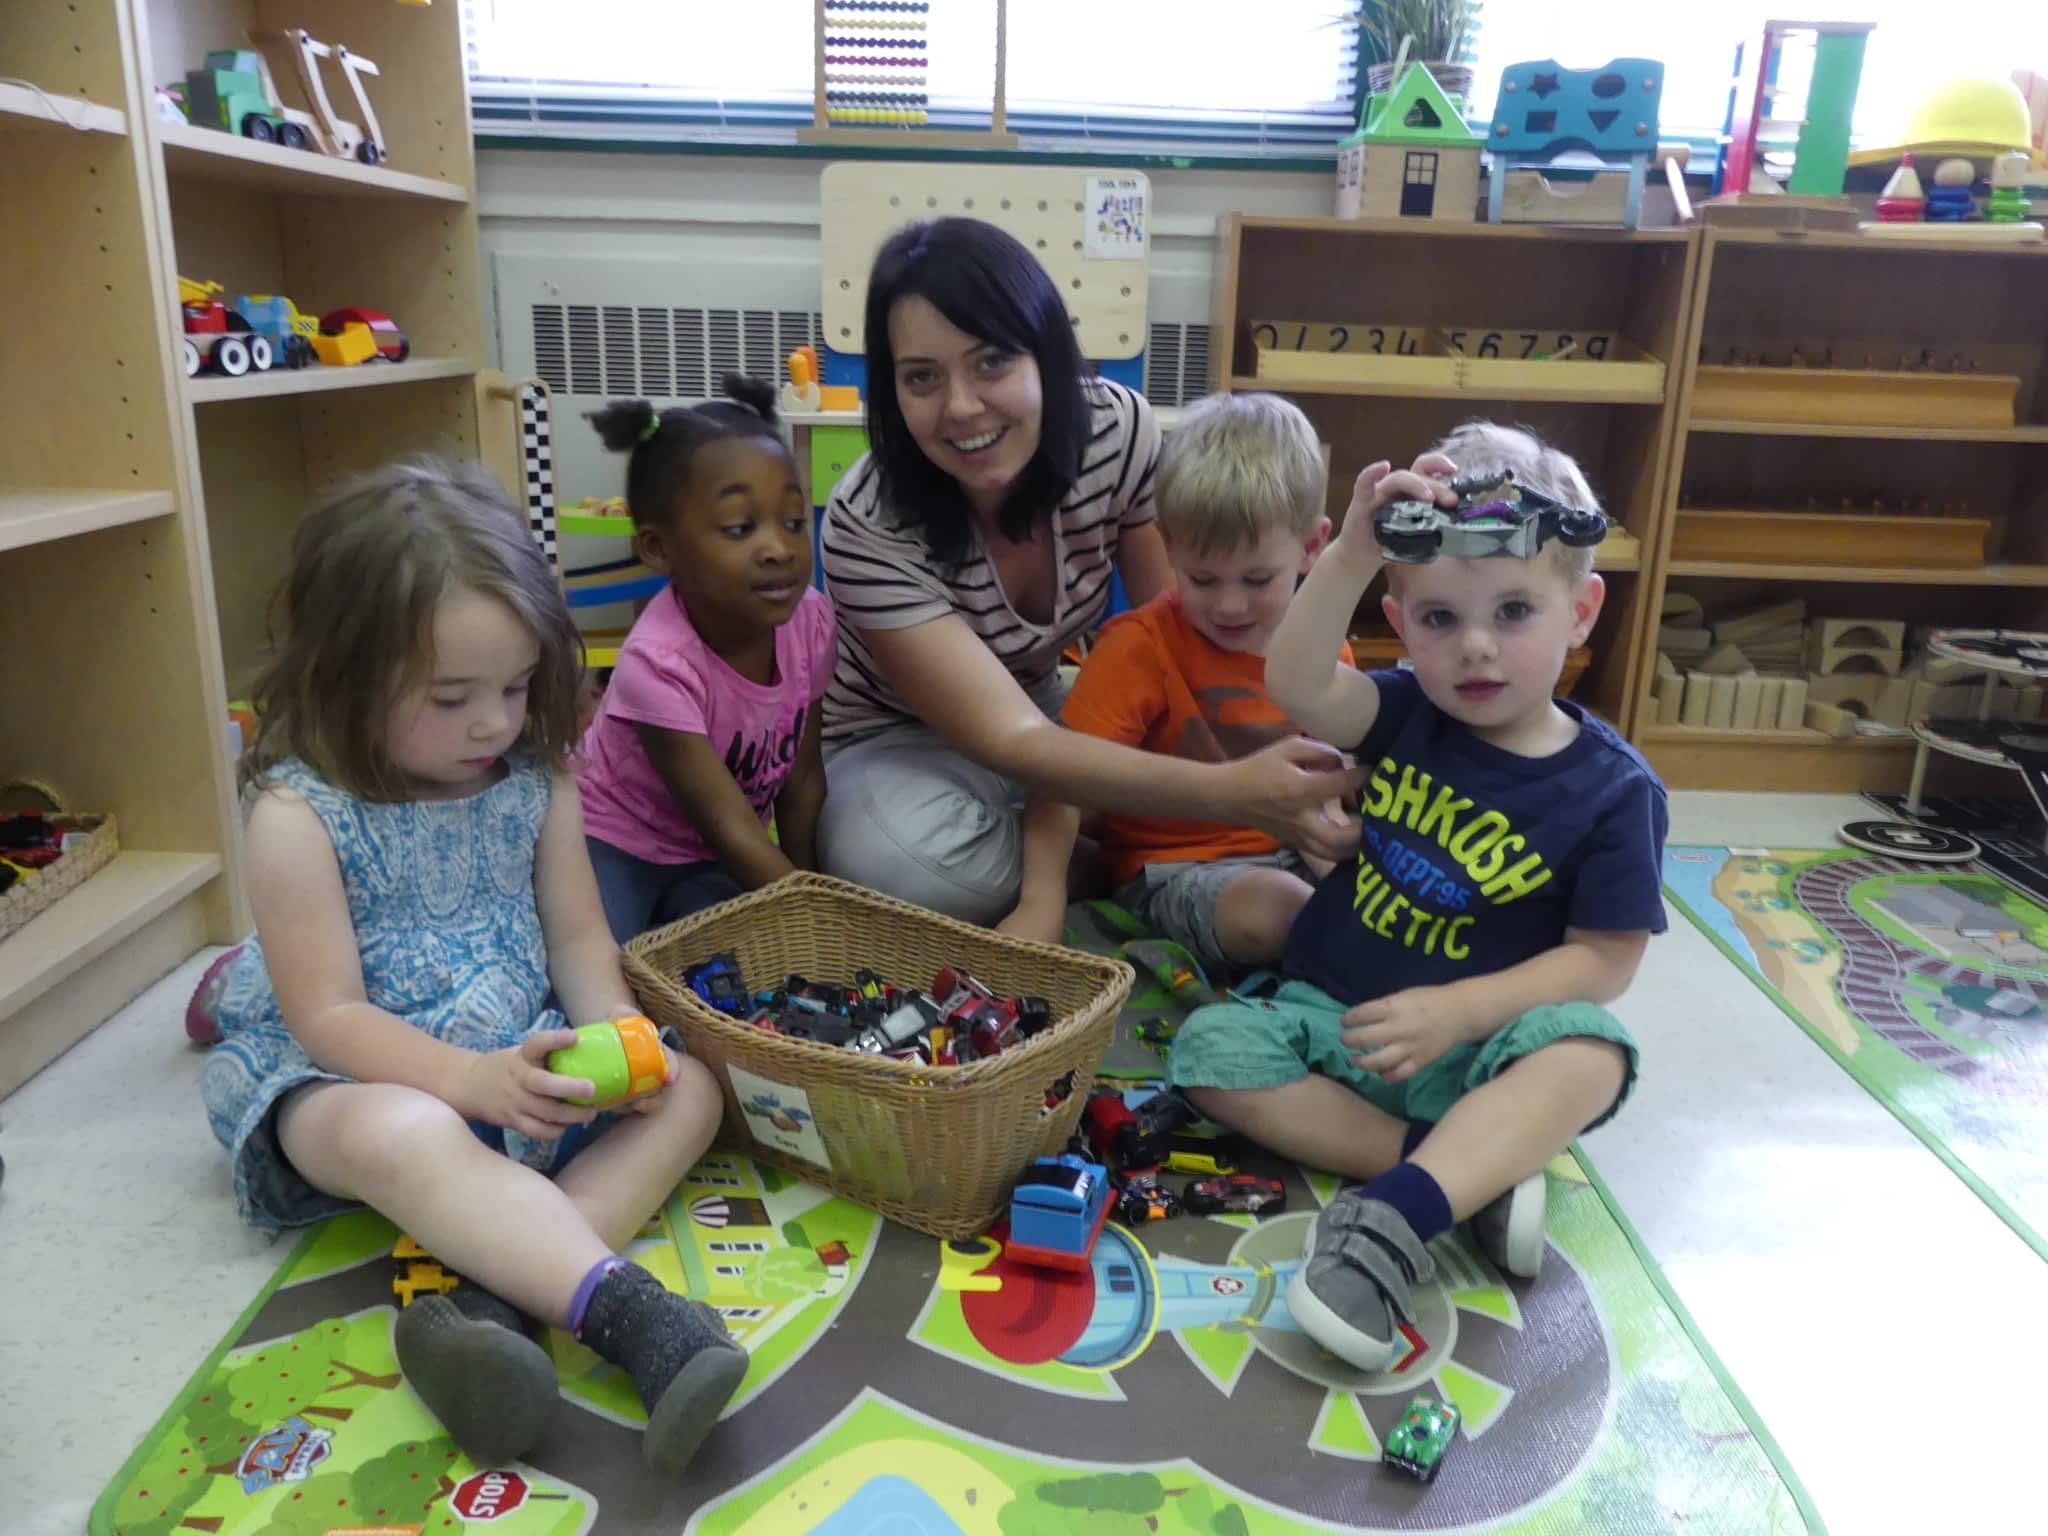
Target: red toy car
(391, 342)
(1242, 1192)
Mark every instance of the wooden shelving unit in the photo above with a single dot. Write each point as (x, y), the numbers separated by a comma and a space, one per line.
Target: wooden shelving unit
(45, 111)
(206, 155)
(1762, 292)
(1425, 275)
(400, 237)
(144, 519)
(112, 689)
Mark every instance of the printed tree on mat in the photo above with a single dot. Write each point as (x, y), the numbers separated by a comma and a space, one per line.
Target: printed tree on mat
(310, 1373)
(177, 1472)
(407, 1485)
(1117, 1504)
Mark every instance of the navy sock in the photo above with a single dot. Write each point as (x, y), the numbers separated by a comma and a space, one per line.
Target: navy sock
(1412, 1137)
(1413, 1192)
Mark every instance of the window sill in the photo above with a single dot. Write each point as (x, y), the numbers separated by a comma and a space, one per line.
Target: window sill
(1322, 164)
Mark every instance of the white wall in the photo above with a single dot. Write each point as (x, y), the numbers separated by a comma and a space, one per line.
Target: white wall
(713, 210)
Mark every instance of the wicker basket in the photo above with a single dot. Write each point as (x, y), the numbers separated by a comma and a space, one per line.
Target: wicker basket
(99, 842)
(936, 1148)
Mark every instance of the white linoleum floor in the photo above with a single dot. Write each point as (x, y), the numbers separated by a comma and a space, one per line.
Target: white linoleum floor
(1889, 1329)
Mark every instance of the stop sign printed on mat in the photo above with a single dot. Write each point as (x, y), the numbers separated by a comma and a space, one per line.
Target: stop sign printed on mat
(487, 1495)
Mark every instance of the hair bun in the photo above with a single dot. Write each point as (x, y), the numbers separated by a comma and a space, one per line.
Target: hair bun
(756, 395)
(623, 423)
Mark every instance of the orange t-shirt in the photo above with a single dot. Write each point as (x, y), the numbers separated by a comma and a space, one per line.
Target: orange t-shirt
(1153, 681)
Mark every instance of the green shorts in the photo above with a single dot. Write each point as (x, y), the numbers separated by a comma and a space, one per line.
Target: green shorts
(1268, 1043)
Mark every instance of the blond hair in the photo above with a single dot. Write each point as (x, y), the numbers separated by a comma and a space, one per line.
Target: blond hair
(1487, 447)
(1235, 468)
(356, 611)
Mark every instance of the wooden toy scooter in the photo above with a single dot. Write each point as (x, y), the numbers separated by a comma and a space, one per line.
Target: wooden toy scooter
(343, 139)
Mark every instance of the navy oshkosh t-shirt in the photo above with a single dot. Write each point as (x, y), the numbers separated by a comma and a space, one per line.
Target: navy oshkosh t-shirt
(1475, 859)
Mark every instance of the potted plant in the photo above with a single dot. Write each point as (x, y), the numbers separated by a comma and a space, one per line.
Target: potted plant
(1437, 33)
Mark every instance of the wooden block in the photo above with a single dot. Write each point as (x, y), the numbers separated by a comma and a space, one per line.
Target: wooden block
(1749, 700)
(1888, 634)
(1855, 397)
(1685, 644)
(1893, 704)
(1825, 659)
(1758, 622)
(1697, 687)
(1830, 538)
(1720, 703)
(1679, 606)
(1792, 704)
(1858, 688)
(1726, 661)
(1829, 720)
(1769, 692)
(1670, 692)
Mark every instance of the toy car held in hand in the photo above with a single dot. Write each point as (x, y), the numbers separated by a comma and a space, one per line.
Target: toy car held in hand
(1243, 1193)
(1494, 516)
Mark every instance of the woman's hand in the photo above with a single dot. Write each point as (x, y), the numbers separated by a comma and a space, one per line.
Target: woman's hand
(1285, 790)
(514, 1089)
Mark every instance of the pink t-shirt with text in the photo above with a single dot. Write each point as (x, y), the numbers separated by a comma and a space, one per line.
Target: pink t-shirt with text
(669, 678)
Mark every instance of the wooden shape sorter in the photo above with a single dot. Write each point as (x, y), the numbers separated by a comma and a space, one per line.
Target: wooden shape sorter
(1089, 227)
(1545, 110)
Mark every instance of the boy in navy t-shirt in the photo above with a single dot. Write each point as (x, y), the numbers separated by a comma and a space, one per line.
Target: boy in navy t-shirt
(1440, 1034)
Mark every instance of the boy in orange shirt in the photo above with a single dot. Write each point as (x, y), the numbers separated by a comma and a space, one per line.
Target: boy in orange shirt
(1240, 497)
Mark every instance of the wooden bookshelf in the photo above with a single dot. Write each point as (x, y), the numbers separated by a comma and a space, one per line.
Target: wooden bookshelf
(327, 233)
(205, 154)
(1977, 306)
(1636, 286)
(112, 691)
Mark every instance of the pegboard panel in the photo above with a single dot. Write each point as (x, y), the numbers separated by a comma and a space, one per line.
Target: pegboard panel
(1097, 256)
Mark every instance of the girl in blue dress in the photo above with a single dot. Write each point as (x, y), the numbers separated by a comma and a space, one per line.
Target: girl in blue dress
(423, 897)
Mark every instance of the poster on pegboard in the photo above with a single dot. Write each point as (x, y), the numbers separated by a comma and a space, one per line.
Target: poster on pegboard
(1113, 225)
(1090, 230)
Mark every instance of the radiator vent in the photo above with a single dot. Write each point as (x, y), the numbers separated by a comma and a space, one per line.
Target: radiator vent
(625, 351)
(1176, 363)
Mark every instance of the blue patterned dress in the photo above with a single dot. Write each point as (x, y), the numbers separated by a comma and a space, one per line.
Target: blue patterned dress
(441, 895)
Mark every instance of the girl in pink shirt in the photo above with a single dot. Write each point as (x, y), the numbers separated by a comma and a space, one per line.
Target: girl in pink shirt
(710, 723)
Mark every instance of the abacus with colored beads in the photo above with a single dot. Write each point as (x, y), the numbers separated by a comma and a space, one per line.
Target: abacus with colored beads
(872, 72)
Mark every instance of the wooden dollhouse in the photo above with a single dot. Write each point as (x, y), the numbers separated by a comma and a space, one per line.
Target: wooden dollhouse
(1412, 157)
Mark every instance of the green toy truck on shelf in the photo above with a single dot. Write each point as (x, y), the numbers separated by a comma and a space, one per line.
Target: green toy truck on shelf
(1417, 1444)
(233, 94)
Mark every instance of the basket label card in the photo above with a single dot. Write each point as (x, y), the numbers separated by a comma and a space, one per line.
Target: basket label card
(779, 1116)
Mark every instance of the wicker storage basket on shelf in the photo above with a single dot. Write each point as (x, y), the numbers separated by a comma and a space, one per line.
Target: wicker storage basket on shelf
(936, 1148)
(96, 840)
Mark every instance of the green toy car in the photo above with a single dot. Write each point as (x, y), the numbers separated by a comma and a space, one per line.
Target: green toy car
(1417, 1444)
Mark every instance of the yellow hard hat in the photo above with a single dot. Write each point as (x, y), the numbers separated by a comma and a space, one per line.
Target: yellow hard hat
(1975, 110)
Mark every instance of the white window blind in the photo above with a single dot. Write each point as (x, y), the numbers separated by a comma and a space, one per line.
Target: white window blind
(1914, 47)
(1182, 74)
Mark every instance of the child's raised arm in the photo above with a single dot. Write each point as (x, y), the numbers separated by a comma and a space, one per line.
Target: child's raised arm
(309, 947)
(1304, 674)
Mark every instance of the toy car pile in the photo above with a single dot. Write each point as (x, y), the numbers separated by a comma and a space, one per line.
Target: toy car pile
(959, 1020)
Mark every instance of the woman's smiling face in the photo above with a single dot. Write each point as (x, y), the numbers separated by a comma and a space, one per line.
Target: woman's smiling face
(971, 406)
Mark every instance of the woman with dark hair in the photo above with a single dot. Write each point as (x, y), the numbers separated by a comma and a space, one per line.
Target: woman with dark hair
(964, 553)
